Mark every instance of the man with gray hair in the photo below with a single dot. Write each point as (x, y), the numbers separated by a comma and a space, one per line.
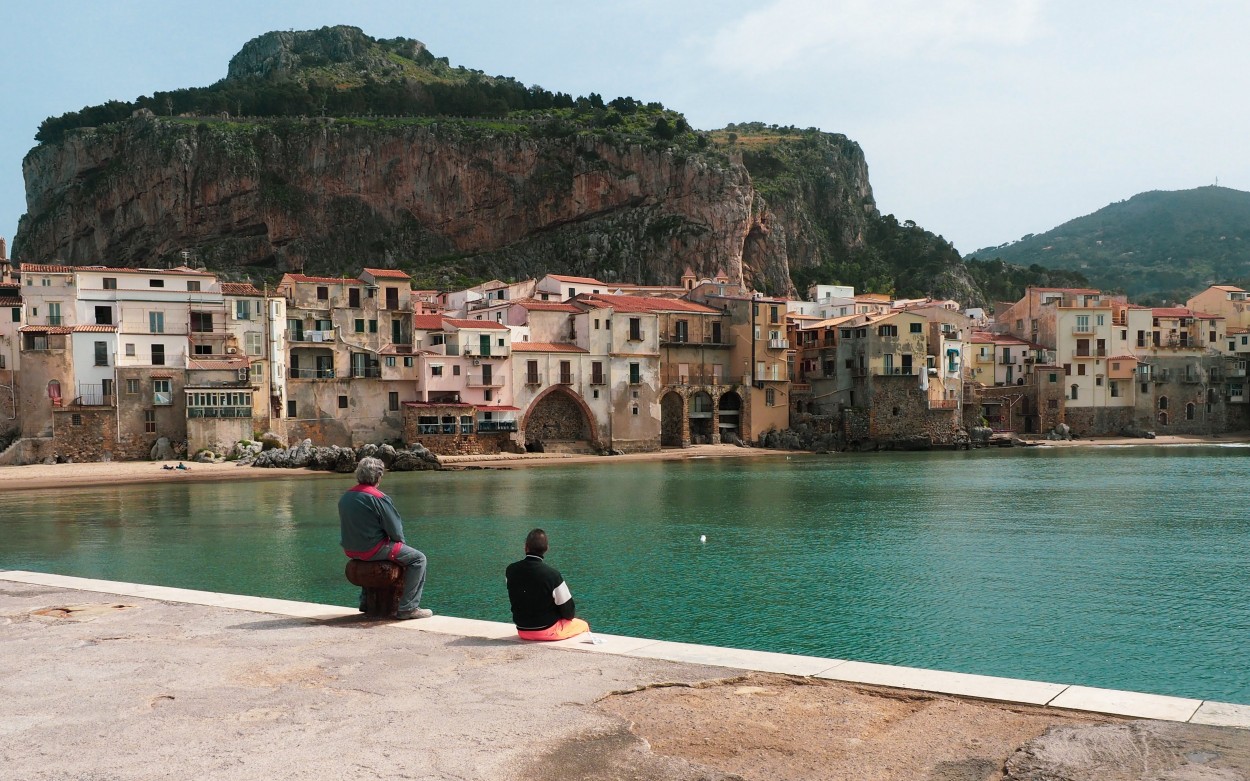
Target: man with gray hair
(371, 530)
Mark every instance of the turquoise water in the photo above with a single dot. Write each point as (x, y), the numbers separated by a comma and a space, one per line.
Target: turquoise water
(1122, 568)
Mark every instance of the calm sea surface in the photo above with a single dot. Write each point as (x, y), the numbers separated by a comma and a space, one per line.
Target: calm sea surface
(1126, 568)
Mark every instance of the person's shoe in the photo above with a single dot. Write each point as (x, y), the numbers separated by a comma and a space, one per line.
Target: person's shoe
(421, 612)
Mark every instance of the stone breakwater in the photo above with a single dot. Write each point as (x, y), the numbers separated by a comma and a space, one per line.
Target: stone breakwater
(329, 459)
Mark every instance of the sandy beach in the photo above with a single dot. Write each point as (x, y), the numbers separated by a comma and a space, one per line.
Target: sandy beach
(43, 476)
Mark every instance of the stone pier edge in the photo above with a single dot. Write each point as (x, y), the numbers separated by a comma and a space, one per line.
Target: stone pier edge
(983, 687)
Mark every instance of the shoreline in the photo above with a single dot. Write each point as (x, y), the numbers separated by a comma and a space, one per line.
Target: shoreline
(96, 473)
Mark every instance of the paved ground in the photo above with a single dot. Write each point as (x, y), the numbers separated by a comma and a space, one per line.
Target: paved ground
(97, 687)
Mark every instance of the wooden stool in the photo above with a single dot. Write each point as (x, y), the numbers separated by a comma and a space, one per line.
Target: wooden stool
(383, 582)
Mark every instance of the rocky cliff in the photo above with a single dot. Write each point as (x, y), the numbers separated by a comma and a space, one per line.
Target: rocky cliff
(448, 200)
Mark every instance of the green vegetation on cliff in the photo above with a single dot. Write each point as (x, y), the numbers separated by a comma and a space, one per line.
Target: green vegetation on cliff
(1156, 246)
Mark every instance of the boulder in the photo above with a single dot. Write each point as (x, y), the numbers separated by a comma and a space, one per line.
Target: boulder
(270, 440)
(163, 450)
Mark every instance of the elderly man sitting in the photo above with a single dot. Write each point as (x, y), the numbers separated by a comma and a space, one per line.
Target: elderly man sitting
(372, 530)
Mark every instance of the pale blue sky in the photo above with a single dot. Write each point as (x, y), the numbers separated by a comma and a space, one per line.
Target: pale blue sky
(982, 120)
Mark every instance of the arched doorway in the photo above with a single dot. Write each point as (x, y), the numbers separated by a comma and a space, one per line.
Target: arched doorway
(701, 418)
(557, 417)
(671, 408)
(730, 417)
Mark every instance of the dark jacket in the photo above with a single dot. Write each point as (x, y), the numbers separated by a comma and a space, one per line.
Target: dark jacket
(538, 594)
(367, 521)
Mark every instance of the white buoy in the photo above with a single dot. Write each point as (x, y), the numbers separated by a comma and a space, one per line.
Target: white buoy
(702, 538)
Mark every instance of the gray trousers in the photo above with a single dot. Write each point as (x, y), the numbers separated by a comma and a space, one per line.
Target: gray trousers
(413, 562)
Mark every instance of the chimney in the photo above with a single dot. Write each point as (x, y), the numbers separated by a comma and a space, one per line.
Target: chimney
(4, 250)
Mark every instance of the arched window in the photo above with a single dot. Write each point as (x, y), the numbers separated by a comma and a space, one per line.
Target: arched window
(54, 392)
(1163, 418)
(1189, 411)
(1075, 388)
(1163, 402)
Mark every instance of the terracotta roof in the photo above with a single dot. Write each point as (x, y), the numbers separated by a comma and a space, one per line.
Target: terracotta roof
(322, 280)
(500, 408)
(489, 325)
(880, 297)
(545, 306)
(240, 289)
(161, 376)
(647, 304)
(427, 322)
(388, 273)
(427, 404)
(43, 268)
(219, 363)
(987, 336)
(547, 347)
(46, 329)
(1083, 290)
(95, 328)
(1123, 358)
(577, 280)
(10, 302)
(1181, 311)
(1229, 288)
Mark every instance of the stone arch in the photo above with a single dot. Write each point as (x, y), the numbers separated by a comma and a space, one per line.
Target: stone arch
(559, 415)
(1163, 418)
(1163, 402)
(730, 407)
(1190, 410)
(701, 413)
(672, 415)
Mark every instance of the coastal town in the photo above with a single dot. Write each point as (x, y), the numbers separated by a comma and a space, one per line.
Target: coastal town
(100, 362)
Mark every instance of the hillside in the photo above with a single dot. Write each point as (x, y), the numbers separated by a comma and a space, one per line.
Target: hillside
(1156, 246)
(326, 150)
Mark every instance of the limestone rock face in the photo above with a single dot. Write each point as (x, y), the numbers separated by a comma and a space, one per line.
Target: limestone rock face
(162, 450)
(450, 198)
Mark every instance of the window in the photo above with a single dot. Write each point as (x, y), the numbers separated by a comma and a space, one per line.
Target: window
(156, 322)
(531, 373)
(392, 401)
(635, 373)
(16, 313)
(101, 353)
(353, 297)
(75, 419)
(342, 402)
(252, 342)
(1098, 381)
(324, 325)
(1052, 404)
(596, 373)
(407, 361)
(156, 283)
(566, 372)
(917, 328)
(149, 421)
(162, 394)
(202, 322)
(455, 370)
(1075, 389)
(1189, 411)
(390, 362)
(45, 282)
(436, 370)
(596, 323)
(1163, 402)
(193, 285)
(323, 293)
(1067, 369)
(130, 349)
(242, 309)
(373, 326)
(635, 329)
(54, 313)
(158, 355)
(770, 397)
(488, 395)
(360, 325)
(1080, 369)
(1100, 319)
(772, 314)
(290, 408)
(1054, 377)
(1115, 389)
(132, 387)
(110, 283)
(887, 330)
(104, 315)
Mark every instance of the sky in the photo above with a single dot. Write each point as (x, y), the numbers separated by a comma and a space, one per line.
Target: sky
(981, 120)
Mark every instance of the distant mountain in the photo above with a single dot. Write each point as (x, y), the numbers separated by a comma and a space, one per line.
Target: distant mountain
(1160, 245)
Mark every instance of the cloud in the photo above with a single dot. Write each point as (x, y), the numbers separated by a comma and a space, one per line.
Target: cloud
(787, 33)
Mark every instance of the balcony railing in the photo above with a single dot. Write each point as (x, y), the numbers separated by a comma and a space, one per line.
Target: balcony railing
(93, 396)
(674, 377)
(219, 412)
(779, 344)
(478, 381)
(533, 379)
(312, 374)
(366, 371)
(311, 336)
(1096, 352)
(1237, 372)
(897, 370)
(444, 428)
(495, 426)
(637, 336)
(1082, 329)
(674, 339)
(943, 403)
(565, 379)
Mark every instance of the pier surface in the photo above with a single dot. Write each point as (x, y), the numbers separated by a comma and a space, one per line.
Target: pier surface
(106, 680)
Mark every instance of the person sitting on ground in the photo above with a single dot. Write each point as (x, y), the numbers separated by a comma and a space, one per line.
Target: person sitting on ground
(183, 467)
(371, 530)
(542, 607)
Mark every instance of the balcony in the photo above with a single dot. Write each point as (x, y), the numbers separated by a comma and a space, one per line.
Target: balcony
(93, 396)
(1237, 372)
(366, 372)
(496, 426)
(1082, 329)
(779, 344)
(480, 381)
(1100, 352)
(637, 336)
(675, 377)
(311, 336)
(565, 379)
(219, 412)
(890, 371)
(1192, 378)
(312, 374)
(943, 403)
(533, 379)
(444, 428)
